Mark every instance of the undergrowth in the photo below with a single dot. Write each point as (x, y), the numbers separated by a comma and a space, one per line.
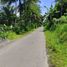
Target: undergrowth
(57, 46)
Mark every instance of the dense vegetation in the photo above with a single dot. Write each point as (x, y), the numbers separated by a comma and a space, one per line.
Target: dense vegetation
(55, 28)
(18, 16)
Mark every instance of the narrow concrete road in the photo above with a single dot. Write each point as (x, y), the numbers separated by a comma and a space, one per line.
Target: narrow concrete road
(29, 51)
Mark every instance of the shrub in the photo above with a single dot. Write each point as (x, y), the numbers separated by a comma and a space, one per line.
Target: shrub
(11, 35)
(62, 33)
(2, 32)
(50, 25)
(19, 28)
(63, 19)
(57, 46)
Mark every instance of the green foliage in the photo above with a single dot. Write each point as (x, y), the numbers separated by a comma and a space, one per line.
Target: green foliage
(56, 34)
(28, 19)
(61, 0)
(2, 35)
(62, 33)
(3, 30)
(35, 8)
(63, 19)
(12, 35)
(57, 46)
(51, 25)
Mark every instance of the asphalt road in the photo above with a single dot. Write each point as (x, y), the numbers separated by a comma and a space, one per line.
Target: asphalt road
(29, 51)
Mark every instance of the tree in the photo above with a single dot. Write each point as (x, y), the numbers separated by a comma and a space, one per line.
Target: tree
(29, 10)
(9, 14)
(62, 4)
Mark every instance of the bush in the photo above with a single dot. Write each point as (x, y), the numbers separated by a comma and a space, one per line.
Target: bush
(19, 27)
(57, 46)
(50, 25)
(62, 33)
(63, 19)
(11, 35)
(3, 30)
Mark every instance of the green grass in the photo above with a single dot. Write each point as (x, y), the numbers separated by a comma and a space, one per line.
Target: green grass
(57, 46)
(13, 36)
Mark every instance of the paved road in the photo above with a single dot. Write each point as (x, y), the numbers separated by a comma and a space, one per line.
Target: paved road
(29, 51)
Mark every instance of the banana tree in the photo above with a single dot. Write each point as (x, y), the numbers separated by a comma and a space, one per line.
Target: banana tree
(9, 14)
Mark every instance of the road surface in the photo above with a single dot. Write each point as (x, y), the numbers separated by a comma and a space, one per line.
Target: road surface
(29, 51)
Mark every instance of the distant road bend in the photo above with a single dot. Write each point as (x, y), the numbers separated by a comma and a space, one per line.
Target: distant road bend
(29, 51)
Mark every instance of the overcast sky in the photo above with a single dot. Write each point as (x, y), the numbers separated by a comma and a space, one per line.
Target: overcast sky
(46, 3)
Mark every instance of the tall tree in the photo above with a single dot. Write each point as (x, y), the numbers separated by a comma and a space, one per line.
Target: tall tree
(27, 9)
(61, 4)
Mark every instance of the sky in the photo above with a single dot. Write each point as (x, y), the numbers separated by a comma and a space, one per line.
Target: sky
(46, 3)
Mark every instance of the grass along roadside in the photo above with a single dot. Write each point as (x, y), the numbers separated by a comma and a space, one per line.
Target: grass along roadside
(57, 46)
(14, 36)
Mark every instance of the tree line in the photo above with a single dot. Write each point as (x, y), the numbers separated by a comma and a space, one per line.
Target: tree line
(19, 15)
(56, 15)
